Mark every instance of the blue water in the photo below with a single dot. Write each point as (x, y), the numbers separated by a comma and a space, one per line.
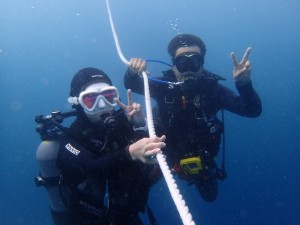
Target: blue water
(43, 43)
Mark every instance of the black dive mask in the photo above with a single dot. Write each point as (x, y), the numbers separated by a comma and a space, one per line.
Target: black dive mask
(188, 62)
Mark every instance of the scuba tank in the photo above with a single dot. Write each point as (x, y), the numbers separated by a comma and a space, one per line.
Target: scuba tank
(49, 175)
(49, 127)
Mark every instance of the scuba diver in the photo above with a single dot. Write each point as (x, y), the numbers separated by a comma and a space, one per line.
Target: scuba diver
(98, 170)
(188, 99)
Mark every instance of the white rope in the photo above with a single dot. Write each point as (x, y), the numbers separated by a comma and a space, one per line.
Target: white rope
(175, 193)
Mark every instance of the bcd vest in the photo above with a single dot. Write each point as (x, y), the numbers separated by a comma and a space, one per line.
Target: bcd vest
(188, 116)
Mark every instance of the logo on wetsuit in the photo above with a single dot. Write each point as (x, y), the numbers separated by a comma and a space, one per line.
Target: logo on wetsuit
(72, 149)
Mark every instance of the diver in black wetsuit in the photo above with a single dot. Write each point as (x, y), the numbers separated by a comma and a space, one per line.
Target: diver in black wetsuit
(188, 99)
(104, 164)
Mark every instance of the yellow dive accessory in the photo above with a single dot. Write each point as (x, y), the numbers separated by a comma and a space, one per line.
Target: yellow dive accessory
(191, 166)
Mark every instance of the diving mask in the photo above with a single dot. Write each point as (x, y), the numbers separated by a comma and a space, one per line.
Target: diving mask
(96, 98)
(188, 62)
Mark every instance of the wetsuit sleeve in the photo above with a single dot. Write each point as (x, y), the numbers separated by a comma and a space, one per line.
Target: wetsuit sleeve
(247, 103)
(134, 82)
(75, 159)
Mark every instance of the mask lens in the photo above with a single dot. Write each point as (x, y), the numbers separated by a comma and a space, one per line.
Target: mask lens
(186, 63)
(90, 99)
(110, 95)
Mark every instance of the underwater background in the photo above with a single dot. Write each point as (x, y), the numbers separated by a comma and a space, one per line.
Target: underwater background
(43, 43)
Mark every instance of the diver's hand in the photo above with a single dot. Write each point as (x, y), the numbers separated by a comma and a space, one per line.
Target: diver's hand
(146, 149)
(137, 66)
(242, 70)
(133, 111)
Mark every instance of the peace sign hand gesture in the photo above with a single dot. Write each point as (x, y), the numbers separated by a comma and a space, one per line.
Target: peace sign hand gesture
(242, 70)
(133, 111)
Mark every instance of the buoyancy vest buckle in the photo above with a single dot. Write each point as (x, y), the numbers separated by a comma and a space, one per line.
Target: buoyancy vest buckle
(200, 116)
(169, 101)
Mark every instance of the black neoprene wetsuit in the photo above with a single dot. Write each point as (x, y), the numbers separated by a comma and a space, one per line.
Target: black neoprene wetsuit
(94, 160)
(188, 115)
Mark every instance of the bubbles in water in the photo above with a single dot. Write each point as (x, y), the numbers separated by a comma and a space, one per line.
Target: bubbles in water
(174, 25)
(36, 3)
